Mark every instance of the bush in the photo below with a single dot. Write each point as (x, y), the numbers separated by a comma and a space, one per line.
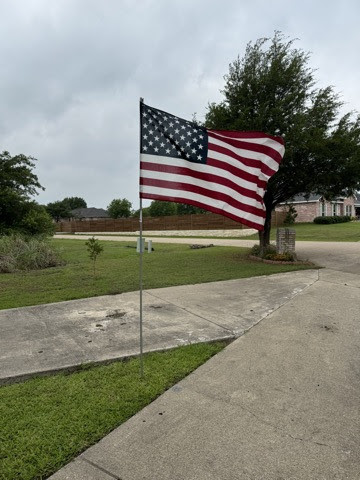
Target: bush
(21, 253)
(37, 221)
(334, 219)
(280, 257)
(256, 251)
(270, 254)
(291, 215)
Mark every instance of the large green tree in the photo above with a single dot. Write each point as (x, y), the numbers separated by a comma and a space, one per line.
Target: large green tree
(272, 89)
(75, 202)
(59, 209)
(18, 184)
(119, 208)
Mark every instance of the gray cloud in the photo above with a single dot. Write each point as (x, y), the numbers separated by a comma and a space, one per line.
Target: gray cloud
(73, 72)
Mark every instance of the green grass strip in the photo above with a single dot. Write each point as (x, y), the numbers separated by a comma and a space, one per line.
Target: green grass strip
(311, 232)
(117, 271)
(45, 422)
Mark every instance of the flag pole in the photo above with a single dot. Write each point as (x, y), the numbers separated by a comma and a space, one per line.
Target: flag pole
(141, 268)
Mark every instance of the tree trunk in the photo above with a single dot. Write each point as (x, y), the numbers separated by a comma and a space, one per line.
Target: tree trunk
(264, 235)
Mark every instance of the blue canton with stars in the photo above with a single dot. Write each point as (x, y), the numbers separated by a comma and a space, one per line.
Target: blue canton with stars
(165, 135)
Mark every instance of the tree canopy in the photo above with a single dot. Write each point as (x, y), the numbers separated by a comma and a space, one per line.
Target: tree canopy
(63, 208)
(160, 208)
(59, 209)
(18, 183)
(272, 89)
(75, 202)
(119, 208)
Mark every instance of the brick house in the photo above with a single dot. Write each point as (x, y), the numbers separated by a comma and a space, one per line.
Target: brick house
(316, 206)
(89, 213)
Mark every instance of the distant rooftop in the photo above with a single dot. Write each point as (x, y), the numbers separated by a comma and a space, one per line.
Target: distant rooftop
(90, 213)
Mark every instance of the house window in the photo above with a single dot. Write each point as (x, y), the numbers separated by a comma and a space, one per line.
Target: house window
(348, 210)
(322, 209)
(334, 209)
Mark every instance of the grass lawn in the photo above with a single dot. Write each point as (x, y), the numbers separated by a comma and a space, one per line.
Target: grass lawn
(337, 232)
(45, 422)
(118, 271)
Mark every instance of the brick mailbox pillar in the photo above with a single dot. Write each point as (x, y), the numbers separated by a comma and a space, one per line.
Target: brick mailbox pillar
(285, 240)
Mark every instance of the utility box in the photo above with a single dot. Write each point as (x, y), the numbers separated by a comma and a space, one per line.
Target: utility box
(140, 249)
(285, 240)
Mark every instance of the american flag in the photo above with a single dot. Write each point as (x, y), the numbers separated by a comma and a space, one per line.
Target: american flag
(225, 172)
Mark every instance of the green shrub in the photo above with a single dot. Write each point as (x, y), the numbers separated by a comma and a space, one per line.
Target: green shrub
(280, 257)
(21, 253)
(334, 219)
(37, 221)
(270, 254)
(291, 215)
(256, 251)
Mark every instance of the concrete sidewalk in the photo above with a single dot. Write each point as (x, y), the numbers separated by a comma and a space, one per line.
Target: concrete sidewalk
(65, 335)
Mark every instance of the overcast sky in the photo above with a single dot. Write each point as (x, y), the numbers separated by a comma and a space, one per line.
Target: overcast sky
(72, 72)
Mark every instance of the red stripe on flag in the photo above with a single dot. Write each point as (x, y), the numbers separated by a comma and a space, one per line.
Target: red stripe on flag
(216, 179)
(179, 199)
(251, 147)
(256, 164)
(212, 162)
(186, 187)
(248, 134)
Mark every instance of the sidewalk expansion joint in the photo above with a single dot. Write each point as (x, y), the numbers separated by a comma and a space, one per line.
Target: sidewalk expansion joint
(192, 313)
(95, 465)
(270, 312)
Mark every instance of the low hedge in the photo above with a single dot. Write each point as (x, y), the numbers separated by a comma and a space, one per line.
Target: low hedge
(26, 253)
(335, 219)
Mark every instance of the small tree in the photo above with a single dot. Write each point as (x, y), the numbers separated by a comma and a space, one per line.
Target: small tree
(291, 215)
(119, 208)
(94, 248)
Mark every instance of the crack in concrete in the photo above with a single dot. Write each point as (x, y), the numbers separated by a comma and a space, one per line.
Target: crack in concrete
(95, 465)
(260, 419)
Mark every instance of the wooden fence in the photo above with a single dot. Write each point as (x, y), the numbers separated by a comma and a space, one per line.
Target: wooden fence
(207, 221)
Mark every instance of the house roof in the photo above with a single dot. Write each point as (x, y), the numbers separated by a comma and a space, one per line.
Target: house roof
(357, 199)
(301, 198)
(90, 213)
(316, 198)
